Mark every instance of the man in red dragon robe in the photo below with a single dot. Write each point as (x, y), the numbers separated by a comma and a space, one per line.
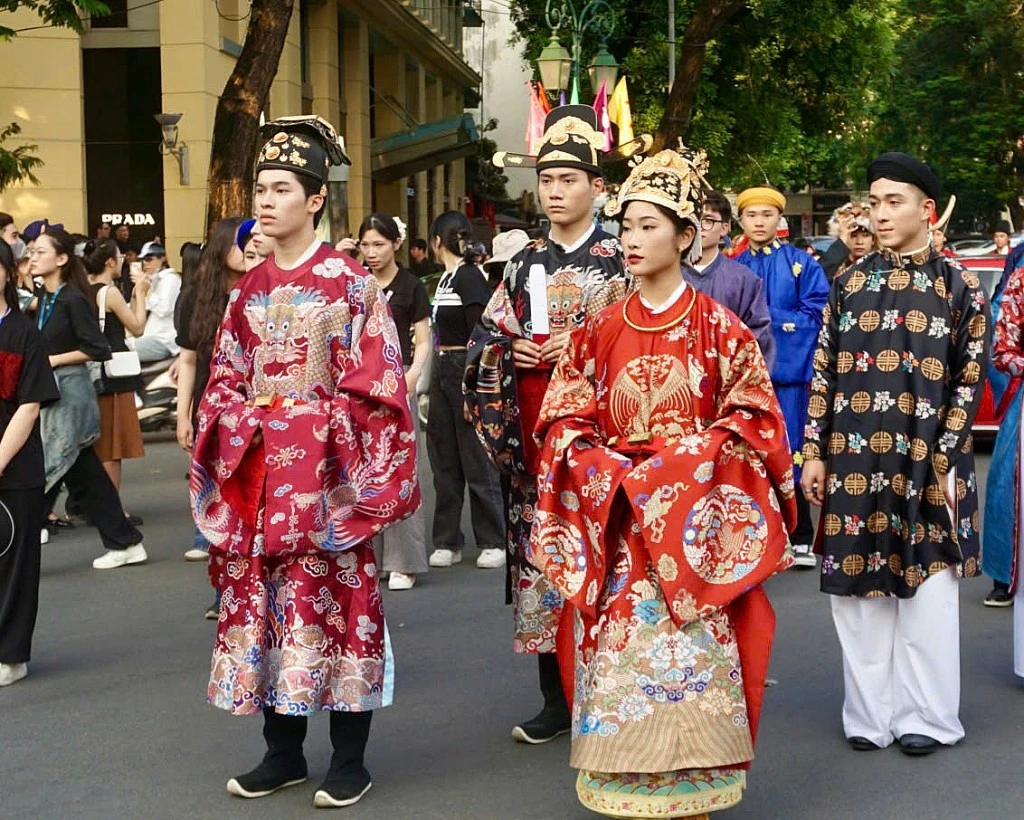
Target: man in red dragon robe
(305, 449)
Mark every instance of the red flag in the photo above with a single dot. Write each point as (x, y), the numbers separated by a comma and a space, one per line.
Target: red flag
(601, 109)
(534, 123)
(542, 95)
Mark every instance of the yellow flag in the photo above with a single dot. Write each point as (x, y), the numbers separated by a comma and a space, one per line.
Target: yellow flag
(619, 113)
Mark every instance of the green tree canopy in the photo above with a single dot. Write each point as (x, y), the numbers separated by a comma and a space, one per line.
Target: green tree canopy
(55, 13)
(805, 92)
(957, 100)
(19, 163)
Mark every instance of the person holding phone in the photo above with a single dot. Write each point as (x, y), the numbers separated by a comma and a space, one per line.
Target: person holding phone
(158, 339)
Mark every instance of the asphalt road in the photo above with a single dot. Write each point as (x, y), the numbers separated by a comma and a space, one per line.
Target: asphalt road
(111, 722)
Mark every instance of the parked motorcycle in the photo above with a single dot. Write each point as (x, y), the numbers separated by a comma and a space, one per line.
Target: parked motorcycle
(157, 402)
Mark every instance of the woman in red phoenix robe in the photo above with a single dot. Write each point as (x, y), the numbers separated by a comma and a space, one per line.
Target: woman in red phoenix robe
(666, 492)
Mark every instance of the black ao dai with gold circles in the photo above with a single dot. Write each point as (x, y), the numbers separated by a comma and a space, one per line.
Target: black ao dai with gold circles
(899, 373)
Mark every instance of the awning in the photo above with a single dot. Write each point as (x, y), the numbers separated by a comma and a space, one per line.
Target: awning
(422, 148)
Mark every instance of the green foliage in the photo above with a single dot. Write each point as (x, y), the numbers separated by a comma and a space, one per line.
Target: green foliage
(482, 177)
(788, 85)
(958, 100)
(56, 13)
(16, 164)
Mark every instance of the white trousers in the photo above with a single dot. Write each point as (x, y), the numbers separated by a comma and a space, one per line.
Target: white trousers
(901, 663)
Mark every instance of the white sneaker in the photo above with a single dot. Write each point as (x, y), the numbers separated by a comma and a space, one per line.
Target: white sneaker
(804, 557)
(112, 559)
(12, 673)
(445, 558)
(196, 554)
(399, 580)
(492, 558)
(44, 536)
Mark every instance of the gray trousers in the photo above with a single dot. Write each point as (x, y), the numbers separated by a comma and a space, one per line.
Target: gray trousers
(402, 547)
(457, 458)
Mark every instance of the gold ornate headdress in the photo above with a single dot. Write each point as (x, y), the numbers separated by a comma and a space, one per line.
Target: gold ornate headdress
(304, 144)
(672, 178)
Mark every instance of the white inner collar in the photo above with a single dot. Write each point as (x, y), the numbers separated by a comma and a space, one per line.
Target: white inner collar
(579, 243)
(676, 294)
(302, 260)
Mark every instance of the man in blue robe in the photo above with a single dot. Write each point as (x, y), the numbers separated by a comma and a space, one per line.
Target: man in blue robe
(796, 290)
(728, 282)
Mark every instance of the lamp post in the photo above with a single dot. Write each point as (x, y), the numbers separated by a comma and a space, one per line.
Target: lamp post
(558, 68)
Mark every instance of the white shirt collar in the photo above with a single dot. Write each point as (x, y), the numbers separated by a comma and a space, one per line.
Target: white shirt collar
(676, 294)
(306, 256)
(579, 243)
(701, 268)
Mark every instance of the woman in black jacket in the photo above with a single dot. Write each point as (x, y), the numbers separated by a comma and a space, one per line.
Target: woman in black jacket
(71, 337)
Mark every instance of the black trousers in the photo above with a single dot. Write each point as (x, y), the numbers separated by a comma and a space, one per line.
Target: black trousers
(804, 532)
(457, 458)
(94, 493)
(19, 575)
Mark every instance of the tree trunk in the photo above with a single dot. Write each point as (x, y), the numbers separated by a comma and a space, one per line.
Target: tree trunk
(705, 22)
(236, 125)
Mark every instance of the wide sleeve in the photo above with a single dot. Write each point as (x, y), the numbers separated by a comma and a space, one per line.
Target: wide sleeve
(86, 329)
(823, 383)
(1008, 351)
(969, 354)
(796, 326)
(578, 481)
(758, 319)
(715, 508)
(223, 500)
(336, 470)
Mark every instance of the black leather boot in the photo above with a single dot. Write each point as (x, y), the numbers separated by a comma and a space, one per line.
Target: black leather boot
(283, 765)
(554, 719)
(348, 780)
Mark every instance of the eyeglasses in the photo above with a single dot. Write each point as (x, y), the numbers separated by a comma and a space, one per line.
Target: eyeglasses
(708, 224)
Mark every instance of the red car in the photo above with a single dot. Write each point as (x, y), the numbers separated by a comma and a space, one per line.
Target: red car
(989, 270)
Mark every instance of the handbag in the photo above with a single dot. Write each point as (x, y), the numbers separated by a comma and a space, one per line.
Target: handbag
(122, 363)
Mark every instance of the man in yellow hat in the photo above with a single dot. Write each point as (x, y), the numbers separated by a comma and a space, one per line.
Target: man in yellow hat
(796, 289)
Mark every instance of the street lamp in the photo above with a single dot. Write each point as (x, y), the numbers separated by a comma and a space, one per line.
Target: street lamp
(555, 65)
(603, 69)
(595, 17)
(169, 143)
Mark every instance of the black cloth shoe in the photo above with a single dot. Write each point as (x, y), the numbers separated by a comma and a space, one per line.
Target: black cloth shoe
(283, 765)
(999, 596)
(347, 780)
(212, 612)
(342, 788)
(554, 719)
(547, 725)
(273, 774)
(862, 744)
(918, 745)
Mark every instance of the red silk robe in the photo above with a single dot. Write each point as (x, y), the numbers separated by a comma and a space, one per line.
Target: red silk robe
(305, 449)
(660, 543)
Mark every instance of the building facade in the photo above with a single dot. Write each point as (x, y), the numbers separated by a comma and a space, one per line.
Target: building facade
(388, 74)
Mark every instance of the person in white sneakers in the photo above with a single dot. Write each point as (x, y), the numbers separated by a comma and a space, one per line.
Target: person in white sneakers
(67, 320)
(27, 383)
(457, 458)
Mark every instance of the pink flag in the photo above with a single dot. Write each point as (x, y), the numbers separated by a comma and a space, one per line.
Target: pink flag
(534, 123)
(601, 109)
